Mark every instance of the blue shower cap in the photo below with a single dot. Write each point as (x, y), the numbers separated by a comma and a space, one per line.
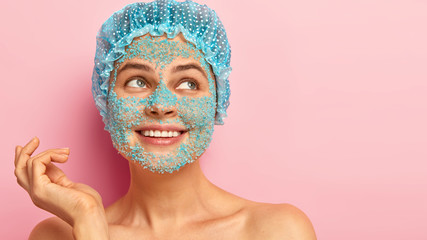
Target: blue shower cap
(199, 25)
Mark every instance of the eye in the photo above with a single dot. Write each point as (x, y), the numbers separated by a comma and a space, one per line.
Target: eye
(191, 85)
(136, 83)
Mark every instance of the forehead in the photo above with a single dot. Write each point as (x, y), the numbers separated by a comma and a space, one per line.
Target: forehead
(160, 50)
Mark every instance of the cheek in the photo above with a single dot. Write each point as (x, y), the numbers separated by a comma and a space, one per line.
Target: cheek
(125, 113)
(197, 112)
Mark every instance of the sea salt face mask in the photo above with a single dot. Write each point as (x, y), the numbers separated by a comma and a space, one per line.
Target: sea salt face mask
(134, 104)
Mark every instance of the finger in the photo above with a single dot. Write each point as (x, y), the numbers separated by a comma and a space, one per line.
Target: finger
(56, 175)
(29, 169)
(46, 157)
(17, 152)
(38, 165)
(26, 152)
(31, 146)
(24, 159)
(20, 172)
(55, 150)
(22, 178)
(25, 173)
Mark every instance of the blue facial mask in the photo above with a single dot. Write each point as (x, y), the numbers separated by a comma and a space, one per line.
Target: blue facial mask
(126, 114)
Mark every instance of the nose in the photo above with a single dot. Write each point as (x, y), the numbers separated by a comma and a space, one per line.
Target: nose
(159, 111)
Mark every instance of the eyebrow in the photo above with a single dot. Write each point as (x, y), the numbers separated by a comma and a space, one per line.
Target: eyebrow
(147, 68)
(139, 66)
(189, 66)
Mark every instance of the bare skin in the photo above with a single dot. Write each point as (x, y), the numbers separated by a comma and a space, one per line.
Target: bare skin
(180, 205)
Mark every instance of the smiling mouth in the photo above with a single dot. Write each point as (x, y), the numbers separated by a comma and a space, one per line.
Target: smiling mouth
(160, 134)
(160, 138)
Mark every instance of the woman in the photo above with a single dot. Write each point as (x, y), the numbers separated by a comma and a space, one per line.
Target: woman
(160, 83)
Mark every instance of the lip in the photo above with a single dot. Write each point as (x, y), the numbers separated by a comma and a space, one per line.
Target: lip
(162, 128)
(161, 141)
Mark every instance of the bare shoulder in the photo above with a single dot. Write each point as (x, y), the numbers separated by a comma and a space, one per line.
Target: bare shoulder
(52, 228)
(279, 221)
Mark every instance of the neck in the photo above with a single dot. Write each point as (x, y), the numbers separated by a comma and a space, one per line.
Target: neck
(169, 198)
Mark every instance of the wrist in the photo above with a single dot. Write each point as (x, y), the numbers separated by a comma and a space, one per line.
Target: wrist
(92, 225)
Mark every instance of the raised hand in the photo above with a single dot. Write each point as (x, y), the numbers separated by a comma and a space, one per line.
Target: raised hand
(51, 190)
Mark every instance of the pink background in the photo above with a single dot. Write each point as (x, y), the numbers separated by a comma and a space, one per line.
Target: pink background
(328, 109)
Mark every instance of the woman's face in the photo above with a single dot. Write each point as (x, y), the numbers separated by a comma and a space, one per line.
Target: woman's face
(161, 103)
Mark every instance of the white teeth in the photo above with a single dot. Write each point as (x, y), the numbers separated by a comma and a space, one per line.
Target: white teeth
(157, 133)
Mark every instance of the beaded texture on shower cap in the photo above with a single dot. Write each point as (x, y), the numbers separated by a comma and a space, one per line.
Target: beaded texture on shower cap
(199, 25)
